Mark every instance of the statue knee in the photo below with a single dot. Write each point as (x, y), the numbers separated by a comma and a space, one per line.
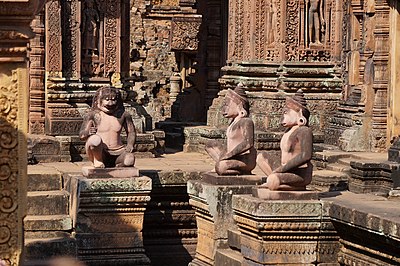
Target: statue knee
(129, 159)
(221, 167)
(94, 141)
(273, 182)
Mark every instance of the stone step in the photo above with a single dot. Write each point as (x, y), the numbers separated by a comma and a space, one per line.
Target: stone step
(325, 174)
(47, 202)
(346, 161)
(228, 257)
(329, 180)
(48, 223)
(330, 156)
(44, 181)
(45, 248)
(234, 239)
(46, 234)
(338, 167)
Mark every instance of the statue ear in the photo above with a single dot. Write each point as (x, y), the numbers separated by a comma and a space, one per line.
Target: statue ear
(302, 121)
(242, 112)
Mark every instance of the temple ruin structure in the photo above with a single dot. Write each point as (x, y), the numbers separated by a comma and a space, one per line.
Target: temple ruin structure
(174, 61)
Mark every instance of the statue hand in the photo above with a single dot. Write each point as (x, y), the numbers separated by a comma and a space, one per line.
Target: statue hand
(92, 131)
(129, 148)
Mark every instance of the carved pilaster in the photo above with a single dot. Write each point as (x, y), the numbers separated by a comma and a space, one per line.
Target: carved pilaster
(15, 18)
(71, 38)
(36, 77)
(53, 39)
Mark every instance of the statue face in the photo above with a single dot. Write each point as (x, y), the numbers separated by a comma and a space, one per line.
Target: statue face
(108, 103)
(290, 117)
(230, 108)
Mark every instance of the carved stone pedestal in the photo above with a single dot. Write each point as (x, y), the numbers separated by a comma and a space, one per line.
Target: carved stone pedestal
(118, 172)
(283, 232)
(109, 215)
(212, 198)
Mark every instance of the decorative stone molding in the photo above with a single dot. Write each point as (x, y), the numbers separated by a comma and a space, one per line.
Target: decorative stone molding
(13, 123)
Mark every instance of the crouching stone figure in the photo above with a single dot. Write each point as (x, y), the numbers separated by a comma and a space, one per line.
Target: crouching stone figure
(295, 171)
(238, 156)
(102, 129)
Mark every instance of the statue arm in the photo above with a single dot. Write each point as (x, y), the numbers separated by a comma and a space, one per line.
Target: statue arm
(130, 131)
(321, 13)
(247, 129)
(306, 139)
(88, 127)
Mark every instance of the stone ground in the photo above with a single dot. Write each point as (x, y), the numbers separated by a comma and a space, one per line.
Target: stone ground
(178, 161)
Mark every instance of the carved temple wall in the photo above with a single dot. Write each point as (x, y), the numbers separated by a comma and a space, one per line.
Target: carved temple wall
(13, 123)
(361, 122)
(86, 46)
(275, 47)
(342, 54)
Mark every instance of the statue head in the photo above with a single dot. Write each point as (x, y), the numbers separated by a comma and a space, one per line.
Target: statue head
(295, 111)
(108, 99)
(236, 103)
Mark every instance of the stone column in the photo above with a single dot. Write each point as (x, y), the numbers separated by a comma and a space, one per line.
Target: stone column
(108, 215)
(211, 198)
(15, 32)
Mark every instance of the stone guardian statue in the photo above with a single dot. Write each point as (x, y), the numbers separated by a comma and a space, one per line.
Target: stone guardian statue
(102, 128)
(238, 156)
(295, 171)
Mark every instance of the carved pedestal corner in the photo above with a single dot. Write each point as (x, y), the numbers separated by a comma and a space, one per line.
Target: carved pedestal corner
(109, 214)
(282, 232)
(212, 201)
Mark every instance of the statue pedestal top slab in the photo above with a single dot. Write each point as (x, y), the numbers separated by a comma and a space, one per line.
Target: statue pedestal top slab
(117, 172)
(214, 179)
(266, 194)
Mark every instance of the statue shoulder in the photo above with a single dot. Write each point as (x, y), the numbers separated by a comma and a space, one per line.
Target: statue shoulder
(304, 130)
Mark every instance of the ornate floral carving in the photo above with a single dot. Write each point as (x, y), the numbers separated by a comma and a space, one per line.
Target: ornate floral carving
(184, 34)
(110, 33)
(8, 166)
(8, 98)
(292, 25)
(70, 37)
(53, 35)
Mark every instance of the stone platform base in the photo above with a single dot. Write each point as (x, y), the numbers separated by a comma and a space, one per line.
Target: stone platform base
(266, 194)
(284, 232)
(215, 179)
(117, 172)
(211, 198)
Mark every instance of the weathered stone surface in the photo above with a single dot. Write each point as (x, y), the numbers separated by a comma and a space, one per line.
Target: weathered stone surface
(215, 179)
(117, 172)
(45, 248)
(284, 231)
(266, 194)
(214, 216)
(371, 177)
(109, 220)
(47, 203)
(45, 181)
(374, 225)
(47, 223)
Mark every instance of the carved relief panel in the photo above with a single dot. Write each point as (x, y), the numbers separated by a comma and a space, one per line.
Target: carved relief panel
(85, 44)
(291, 30)
(84, 38)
